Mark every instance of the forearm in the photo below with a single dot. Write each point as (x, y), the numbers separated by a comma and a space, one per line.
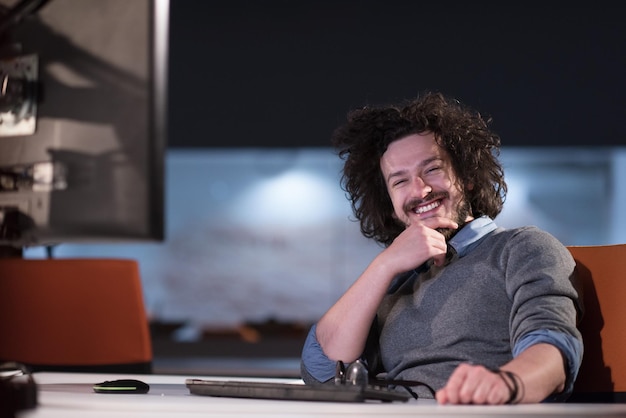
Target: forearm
(342, 331)
(541, 370)
(532, 376)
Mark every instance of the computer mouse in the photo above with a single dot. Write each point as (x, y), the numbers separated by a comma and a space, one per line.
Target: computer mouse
(121, 386)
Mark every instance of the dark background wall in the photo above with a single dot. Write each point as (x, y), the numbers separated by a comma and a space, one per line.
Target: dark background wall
(282, 73)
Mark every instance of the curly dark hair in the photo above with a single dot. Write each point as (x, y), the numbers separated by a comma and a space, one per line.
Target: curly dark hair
(473, 149)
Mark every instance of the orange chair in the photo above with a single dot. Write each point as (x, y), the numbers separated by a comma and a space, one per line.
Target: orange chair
(84, 315)
(602, 271)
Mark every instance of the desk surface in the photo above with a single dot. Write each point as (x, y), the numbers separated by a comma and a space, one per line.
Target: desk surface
(70, 395)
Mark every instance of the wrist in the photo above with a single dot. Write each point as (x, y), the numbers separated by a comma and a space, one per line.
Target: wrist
(515, 385)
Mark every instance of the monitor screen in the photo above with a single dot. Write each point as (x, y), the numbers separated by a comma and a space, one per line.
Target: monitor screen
(82, 120)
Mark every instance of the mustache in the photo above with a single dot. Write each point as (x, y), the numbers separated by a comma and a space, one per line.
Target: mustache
(413, 203)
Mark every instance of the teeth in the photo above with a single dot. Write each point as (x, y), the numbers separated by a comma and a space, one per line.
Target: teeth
(426, 208)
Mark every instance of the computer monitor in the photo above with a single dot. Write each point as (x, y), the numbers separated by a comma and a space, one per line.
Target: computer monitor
(83, 92)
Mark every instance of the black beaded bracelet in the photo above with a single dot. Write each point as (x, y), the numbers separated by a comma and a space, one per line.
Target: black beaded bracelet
(515, 385)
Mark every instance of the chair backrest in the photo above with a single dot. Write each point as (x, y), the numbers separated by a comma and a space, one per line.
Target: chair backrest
(74, 315)
(602, 272)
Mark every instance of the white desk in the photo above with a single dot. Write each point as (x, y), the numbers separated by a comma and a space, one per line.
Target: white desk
(70, 395)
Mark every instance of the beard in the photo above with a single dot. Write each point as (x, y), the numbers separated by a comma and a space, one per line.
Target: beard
(462, 212)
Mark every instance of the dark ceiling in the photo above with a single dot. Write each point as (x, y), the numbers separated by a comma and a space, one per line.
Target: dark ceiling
(249, 73)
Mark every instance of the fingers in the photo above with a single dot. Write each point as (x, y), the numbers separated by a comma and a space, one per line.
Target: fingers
(473, 384)
(428, 229)
(439, 260)
(435, 239)
(440, 222)
(420, 242)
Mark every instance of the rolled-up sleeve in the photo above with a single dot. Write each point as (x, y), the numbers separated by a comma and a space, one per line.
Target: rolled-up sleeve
(315, 366)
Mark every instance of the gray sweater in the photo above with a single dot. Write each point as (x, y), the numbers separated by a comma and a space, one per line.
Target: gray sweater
(474, 309)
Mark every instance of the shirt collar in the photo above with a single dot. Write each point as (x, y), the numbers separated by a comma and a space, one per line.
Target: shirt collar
(470, 235)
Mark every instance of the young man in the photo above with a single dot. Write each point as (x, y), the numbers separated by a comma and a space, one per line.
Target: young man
(477, 313)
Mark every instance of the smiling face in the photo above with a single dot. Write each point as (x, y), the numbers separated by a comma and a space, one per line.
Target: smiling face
(421, 181)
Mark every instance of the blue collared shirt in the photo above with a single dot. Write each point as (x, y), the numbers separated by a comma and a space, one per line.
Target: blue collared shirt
(470, 235)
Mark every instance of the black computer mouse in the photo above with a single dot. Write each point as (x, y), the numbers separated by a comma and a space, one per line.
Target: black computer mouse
(122, 386)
